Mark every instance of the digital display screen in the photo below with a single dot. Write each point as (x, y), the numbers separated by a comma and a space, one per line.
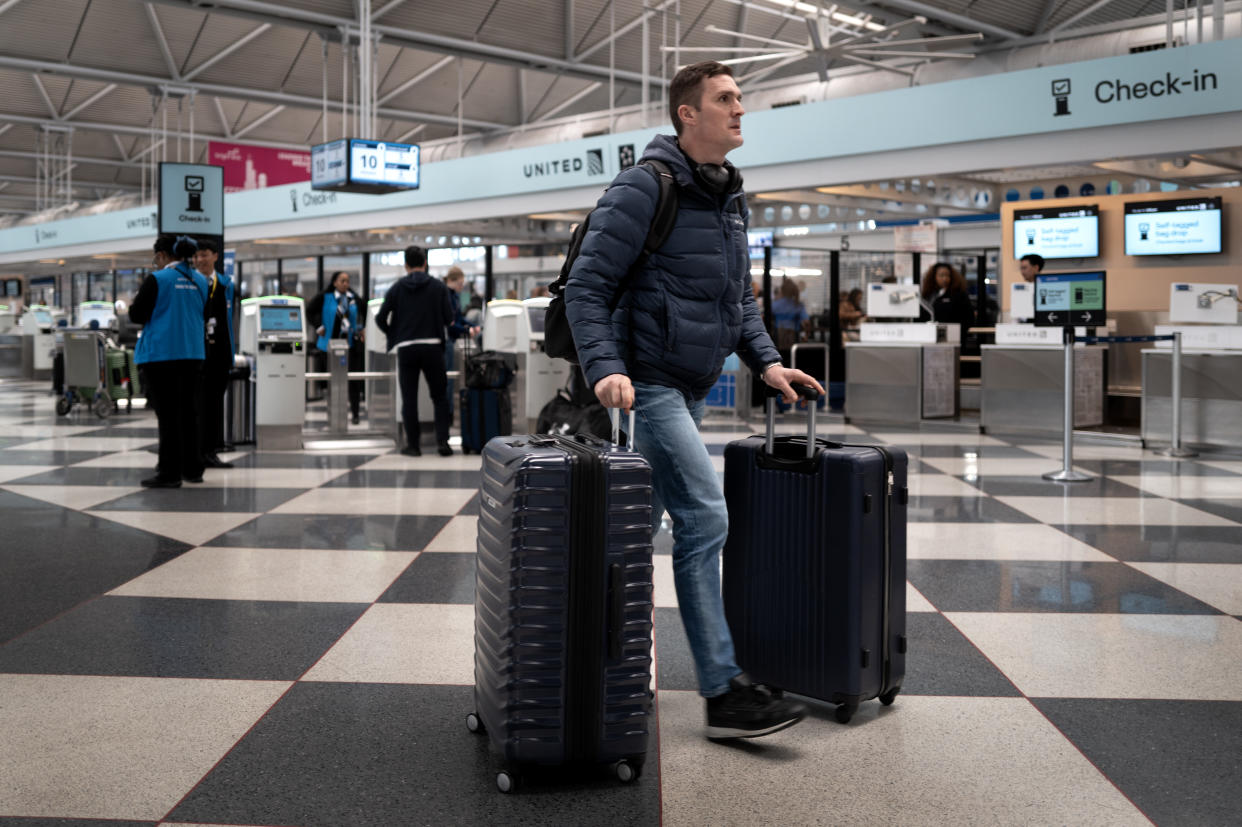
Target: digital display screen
(1173, 228)
(537, 315)
(43, 317)
(1064, 299)
(280, 319)
(1057, 232)
(328, 164)
(378, 162)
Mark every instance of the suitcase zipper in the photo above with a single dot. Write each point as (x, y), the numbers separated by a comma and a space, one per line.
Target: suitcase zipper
(886, 515)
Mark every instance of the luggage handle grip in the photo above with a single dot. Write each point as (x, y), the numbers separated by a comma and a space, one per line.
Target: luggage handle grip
(614, 416)
(811, 396)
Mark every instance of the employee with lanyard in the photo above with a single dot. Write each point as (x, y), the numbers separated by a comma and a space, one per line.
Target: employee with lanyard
(219, 359)
(341, 314)
(170, 306)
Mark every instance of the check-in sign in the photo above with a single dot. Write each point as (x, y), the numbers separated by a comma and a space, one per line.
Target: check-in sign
(191, 199)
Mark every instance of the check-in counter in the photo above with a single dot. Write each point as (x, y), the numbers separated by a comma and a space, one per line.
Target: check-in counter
(1022, 386)
(1211, 396)
(902, 381)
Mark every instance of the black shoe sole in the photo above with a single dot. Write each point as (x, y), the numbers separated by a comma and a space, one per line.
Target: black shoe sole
(729, 733)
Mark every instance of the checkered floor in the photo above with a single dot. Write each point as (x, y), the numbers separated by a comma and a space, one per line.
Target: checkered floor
(290, 643)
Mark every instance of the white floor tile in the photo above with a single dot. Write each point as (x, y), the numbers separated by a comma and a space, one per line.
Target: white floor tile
(89, 443)
(117, 748)
(460, 534)
(271, 477)
(41, 432)
(995, 541)
(140, 458)
(1090, 451)
(17, 472)
(429, 461)
(1053, 655)
(1217, 584)
(73, 496)
(924, 761)
(915, 601)
(1113, 511)
(190, 527)
(404, 643)
(1187, 488)
(940, 485)
(917, 438)
(992, 467)
(426, 501)
(665, 592)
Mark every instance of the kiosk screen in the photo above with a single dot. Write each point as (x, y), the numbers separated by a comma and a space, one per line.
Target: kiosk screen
(280, 319)
(1069, 299)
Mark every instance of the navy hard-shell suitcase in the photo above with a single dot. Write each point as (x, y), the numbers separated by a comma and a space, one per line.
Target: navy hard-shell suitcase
(485, 413)
(815, 566)
(563, 602)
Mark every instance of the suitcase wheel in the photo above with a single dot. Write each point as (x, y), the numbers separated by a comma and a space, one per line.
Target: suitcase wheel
(626, 772)
(474, 724)
(891, 695)
(63, 405)
(845, 712)
(506, 782)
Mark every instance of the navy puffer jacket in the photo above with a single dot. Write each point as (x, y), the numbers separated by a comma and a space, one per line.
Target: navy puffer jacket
(689, 307)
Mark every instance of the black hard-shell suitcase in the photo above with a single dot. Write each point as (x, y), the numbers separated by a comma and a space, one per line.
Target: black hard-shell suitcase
(485, 413)
(815, 566)
(563, 602)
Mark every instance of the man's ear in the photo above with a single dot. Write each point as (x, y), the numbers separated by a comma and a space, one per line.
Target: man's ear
(687, 113)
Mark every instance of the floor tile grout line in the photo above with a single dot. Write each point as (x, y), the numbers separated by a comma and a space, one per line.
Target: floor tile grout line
(282, 696)
(1052, 723)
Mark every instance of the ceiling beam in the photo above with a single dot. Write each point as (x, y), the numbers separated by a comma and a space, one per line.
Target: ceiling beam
(622, 31)
(240, 92)
(128, 129)
(20, 179)
(570, 101)
(47, 100)
(952, 18)
(77, 159)
(417, 79)
(154, 20)
(330, 26)
(224, 121)
(111, 87)
(387, 7)
(225, 52)
(259, 121)
(8, 4)
(1044, 16)
(1089, 10)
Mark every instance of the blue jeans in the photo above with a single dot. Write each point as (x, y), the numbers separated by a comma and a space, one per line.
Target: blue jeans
(686, 483)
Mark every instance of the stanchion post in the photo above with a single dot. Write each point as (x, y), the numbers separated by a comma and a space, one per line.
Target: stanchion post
(1175, 448)
(1067, 472)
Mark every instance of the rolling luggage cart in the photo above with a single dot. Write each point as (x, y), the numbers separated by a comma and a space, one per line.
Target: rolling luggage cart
(86, 374)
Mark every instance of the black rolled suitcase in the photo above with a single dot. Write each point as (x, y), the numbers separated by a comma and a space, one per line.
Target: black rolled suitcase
(563, 602)
(814, 574)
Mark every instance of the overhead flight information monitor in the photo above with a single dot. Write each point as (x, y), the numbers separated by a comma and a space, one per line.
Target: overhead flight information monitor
(357, 165)
(1173, 228)
(1057, 232)
(1069, 299)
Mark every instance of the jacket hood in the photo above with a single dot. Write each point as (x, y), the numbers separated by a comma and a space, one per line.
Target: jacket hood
(417, 279)
(665, 148)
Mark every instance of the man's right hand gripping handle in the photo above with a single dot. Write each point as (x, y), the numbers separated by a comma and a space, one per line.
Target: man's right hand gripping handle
(615, 391)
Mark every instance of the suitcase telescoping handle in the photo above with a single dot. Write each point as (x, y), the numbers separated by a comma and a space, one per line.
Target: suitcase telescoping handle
(614, 414)
(811, 396)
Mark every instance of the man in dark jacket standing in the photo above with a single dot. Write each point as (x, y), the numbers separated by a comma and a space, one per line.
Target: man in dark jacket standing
(683, 312)
(219, 352)
(414, 316)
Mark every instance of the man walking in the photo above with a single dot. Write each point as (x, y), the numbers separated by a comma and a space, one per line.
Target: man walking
(683, 311)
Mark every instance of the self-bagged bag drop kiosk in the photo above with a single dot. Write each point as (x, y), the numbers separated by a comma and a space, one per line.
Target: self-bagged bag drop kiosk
(542, 375)
(273, 332)
(38, 341)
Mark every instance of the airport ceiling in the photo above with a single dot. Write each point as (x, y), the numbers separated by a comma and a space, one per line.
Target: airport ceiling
(101, 78)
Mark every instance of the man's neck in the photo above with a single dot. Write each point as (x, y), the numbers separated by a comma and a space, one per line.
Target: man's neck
(698, 153)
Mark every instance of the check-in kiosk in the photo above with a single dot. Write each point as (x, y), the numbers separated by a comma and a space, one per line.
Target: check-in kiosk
(273, 332)
(901, 370)
(384, 394)
(102, 312)
(1211, 383)
(38, 341)
(10, 343)
(542, 375)
(506, 329)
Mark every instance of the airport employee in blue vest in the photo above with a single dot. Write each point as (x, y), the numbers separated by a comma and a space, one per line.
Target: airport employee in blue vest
(340, 313)
(170, 306)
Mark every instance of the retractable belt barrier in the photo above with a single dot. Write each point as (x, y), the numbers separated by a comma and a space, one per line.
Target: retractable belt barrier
(1175, 449)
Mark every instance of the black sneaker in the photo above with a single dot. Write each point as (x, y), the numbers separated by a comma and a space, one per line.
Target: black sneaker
(159, 482)
(213, 461)
(749, 710)
(445, 449)
(412, 451)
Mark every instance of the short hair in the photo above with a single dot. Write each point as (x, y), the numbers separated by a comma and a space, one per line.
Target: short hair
(1035, 259)
(687, 87)
(164, 244)
(415, 256)
(453, 273)
(184, 247)
(208, 245)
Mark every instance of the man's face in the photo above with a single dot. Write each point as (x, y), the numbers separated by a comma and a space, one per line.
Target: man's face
(160, 260)
(1028, 270)
(205, 261)
(717, 122)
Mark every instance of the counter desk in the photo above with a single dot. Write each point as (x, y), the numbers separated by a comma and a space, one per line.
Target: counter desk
(1211, 396)
(901, 381)
(1022, 387)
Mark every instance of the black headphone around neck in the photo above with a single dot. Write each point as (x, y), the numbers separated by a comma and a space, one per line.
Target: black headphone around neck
(718, 178)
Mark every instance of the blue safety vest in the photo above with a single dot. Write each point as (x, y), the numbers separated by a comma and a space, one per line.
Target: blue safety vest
(176, 328)
(329, 318)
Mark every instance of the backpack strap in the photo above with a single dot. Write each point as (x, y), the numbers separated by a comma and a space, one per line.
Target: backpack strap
(667, 204)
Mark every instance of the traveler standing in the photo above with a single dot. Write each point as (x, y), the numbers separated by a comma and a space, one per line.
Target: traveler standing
(340, 313)
(219, 352)
(416, 313)
(170, 306)
(683, 311)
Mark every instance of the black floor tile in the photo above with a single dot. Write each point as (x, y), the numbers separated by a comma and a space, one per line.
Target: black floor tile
(329, 755)
(21, 456)
(963, 510)
(12, 821)
(10, 441)
(674, 663)
(1037, 486)
(378, 532)
(179, 638)
(1229, 509)
(435, 577)
(366, 478)
(127, 477)
(941, 661)
(1031, 586)
(471, 508)
(271, 459)
(1162, 544)
(191, 497)
(1156, 466)
(964, 449)
(53, 558)
(1176, 760)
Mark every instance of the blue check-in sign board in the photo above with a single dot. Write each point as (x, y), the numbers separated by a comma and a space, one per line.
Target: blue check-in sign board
(191, 199)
